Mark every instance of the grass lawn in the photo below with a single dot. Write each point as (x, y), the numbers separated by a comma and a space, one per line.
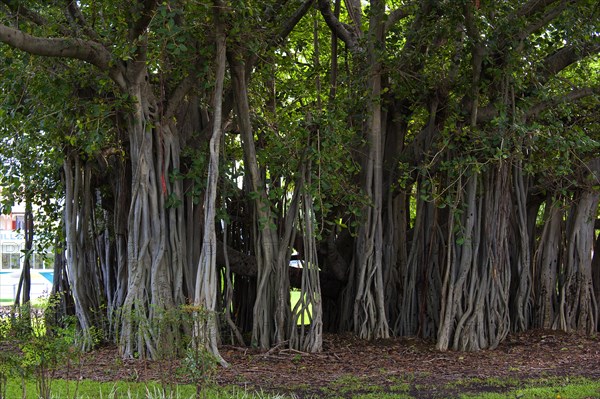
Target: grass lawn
(86, 389)
(555, 388)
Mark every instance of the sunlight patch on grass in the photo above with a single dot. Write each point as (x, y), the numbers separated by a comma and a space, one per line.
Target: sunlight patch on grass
(294, 297)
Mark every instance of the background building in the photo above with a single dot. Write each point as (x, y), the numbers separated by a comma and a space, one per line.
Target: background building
(12, 244)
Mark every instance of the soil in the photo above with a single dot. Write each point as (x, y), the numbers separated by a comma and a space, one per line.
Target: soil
(348, 366)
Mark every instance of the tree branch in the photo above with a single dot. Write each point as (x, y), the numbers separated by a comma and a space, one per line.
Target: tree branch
(22, 11)
(294, 19)
(75, 12)
(533, 6)
(145, 17)
(552, 65)
(566, 56)
(354, 9)
(337, 27)
(287, 28)
(88, 51)
(75, 48)
(137, 35)
(179, 94)
(395, 16)
(544, 20)
(572, 96)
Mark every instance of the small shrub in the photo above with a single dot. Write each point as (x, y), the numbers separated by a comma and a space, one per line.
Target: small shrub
(31, 348)
(199, 363)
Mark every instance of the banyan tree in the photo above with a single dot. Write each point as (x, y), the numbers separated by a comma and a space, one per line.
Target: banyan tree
(432, 166)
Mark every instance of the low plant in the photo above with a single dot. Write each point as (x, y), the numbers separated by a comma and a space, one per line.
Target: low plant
(31, 348)
(199, 363)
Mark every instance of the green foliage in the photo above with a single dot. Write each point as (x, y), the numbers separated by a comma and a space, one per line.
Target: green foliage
(199, 363)
(179, 333)
(31, 348)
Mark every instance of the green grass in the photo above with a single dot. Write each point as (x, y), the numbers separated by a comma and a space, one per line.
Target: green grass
(35, 303)
(87, 389)
(563, 388)
(346, 387)
(294, 297)
(353, 387)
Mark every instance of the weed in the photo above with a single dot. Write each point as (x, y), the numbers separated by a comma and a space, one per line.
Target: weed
(297, 358)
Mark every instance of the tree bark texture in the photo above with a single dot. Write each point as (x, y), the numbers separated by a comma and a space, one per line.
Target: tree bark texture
(306, 332)
(370, 320)
(577, 306)
(207, 273)
(547, 261)
(155, 232)
(83, 270)
(476, 284)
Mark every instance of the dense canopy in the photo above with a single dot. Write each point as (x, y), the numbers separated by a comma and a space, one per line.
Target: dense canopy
(433, 166)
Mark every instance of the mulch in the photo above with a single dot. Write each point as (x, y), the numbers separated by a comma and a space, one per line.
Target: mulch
(384, 364)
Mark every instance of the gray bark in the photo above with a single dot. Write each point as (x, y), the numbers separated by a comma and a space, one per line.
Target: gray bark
(370, 319)
(263, 330)
(547, 260)
(206, 279)
(308, 338)
(577, 303)
(82, 267)
(522, 259)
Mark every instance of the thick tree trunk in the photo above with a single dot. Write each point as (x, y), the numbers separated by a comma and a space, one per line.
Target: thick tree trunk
(264, 330)
(475, 309)
(458, 262)
(370, 319)
(577, 302)
(521, 259)
(421, 280)
(396, 217)
(547, 261)
(394, 253)
(155, 230)
(121, 187)
(596, 276)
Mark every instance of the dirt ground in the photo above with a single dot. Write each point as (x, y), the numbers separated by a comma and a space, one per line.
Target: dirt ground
(349, 366)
